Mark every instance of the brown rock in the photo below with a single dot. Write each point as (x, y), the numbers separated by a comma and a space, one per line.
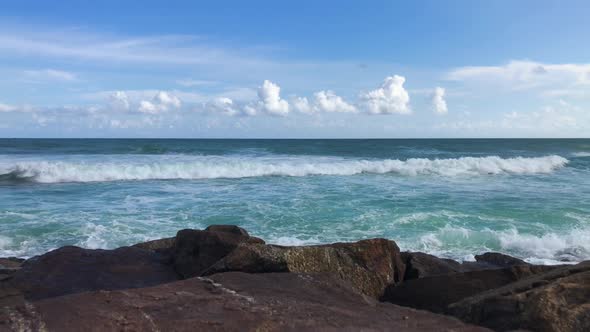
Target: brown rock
(72, 270)
(10, 263)
(435, 293)
(557, 300)
(499, 260)
(195, 250)
(227, 302)
(420, 265)
(163, 246)
(368, 265)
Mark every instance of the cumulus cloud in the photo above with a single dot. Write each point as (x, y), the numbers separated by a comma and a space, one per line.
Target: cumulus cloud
(438, 101)
(390, 98)
(328, 101)
(50, 75)
(162, 102)
(301, 104)
(270, 99)
(119, 100)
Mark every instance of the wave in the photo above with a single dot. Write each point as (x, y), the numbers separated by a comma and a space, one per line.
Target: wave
(581, 154)
(461, 243)
(212, 167)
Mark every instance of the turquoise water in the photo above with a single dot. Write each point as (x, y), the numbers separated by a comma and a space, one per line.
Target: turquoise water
(452, 198)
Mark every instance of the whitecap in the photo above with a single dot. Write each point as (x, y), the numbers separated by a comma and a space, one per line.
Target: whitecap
(212, 167)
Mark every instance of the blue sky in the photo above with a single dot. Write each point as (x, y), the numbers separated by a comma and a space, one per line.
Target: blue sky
(294, 69)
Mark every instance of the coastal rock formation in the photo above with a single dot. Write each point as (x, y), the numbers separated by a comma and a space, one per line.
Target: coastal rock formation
(368, 265)
(499, 260)
(226, 302)
(233, 281)
(557, 300)
(420, 265)
(8, 266)
(436, 293)
(195, 251)
(70, 270)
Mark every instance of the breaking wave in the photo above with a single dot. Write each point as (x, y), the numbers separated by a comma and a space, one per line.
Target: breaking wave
(211, 167)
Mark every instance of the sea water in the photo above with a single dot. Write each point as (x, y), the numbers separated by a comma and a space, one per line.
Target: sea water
(451, 198)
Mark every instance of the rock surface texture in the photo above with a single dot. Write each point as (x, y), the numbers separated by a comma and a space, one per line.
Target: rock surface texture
(223, 279)
(558, 300)
(226, 302)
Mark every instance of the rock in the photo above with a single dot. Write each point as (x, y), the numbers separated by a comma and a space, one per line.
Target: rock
(227, 229)
(420, 265)
(11, 263)
(499, 260)
(226, 302)
(195, 250)
(8, 266)
(72, 270)
(368, 265)
(557, 300)
(163, 246)
(435, 293)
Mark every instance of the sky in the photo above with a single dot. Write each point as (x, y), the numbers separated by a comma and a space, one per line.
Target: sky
(295, 69)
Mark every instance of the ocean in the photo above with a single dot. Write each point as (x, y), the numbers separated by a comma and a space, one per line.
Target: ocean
(453, 198)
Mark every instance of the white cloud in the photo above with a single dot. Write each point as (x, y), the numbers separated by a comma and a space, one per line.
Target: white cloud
(270, 99)
(7, 108)
(328, 101)
(390, 98)
(189, 82)
(520, 75)
(223, 105)
(50, 75)
(438, 101)
(301, 104)
(76, 43)
(119, 100)
(162, 102)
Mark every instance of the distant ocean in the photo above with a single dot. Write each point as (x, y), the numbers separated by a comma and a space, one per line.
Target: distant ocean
(451, 198)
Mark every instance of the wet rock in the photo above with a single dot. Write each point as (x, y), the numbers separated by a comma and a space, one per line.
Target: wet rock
(72, 270)
(226, 302)
(368, 265)
(557, 300)
(436, 293)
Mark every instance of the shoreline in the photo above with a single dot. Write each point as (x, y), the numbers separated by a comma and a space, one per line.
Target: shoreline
(257, 285)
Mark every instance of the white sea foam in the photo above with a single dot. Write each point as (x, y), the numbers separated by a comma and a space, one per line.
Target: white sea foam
(581, 154)
(211, 167)
(548, 248)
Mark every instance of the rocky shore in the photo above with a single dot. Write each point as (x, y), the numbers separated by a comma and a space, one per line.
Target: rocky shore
(222, 279)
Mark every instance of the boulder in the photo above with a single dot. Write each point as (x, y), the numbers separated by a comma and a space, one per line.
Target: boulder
(163, 246)
(195, 250)
(436, 293)
(8, 266)
(11, 262)
(499, 260)
(368, 265)
(557, 300)
(70, 270)
(226, 302)
(420, 265)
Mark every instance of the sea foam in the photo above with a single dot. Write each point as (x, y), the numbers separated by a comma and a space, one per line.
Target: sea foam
(212, 167)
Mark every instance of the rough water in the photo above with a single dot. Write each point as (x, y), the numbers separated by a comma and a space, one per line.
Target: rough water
(451, 198)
